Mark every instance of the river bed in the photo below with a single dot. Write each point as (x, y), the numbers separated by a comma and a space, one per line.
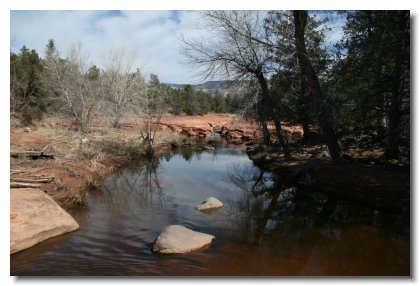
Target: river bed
(266, 227)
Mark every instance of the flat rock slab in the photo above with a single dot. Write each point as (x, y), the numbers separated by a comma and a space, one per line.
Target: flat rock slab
(34, 217)
(209, 204)
(176, 239)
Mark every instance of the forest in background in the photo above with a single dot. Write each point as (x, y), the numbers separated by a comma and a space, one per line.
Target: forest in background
(356, 91)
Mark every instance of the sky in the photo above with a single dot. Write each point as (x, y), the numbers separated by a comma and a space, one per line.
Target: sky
(152, 36)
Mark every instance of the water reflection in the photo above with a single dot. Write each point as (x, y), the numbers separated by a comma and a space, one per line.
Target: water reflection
(249, 179)
(291, 221)
(323, 235)
(138, 184)
(267, 227)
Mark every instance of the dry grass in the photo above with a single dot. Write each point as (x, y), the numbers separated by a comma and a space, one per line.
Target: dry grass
(82, 159)
(96, 144)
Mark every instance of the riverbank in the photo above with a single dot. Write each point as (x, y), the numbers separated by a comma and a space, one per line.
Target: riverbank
(67, 164)
(54, 167)
(287, 230)
(77, 162)
(365, 178)
(53, 158)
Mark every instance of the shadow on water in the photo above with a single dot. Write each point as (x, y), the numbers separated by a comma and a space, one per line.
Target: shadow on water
(328, 236)
(266, 227)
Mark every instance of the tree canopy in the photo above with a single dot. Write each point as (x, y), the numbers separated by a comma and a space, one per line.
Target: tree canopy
(279, 63)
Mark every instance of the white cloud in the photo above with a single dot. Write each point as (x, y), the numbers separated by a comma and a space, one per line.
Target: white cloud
(152, 35)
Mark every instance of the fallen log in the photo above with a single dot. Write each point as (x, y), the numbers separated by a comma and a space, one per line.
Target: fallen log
(40, 180)
(13, 172)
(31, 154)
(23, 185)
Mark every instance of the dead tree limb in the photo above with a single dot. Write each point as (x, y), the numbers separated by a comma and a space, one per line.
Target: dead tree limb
(23, 185)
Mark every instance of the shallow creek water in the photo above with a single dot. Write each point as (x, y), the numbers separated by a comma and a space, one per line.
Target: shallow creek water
(265, 227)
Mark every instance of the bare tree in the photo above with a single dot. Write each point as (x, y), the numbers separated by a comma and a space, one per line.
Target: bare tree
(273, 42)
(80, 95)
(237, 51)
(150, 104)
(121, 85)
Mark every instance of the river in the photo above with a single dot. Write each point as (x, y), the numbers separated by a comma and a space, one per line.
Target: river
(266, 227)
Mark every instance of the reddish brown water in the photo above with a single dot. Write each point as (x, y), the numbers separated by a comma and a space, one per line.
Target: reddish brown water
(265, 228)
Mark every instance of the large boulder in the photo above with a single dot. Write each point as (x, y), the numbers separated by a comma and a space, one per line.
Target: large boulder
(209, 203)
(34, 217)
(176, 239)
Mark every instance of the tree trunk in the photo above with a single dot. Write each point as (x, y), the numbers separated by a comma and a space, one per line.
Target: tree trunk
(266, 132)
(393, 135)
(303, 112)
(283, 139)
(268, 106)
(394, 119)
(116, 123)
(149, 149)
(305, 127)
(300, 19)
(393, 139)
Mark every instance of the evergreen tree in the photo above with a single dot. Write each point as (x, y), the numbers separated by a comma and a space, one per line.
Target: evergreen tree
(220, 103)
(300, 19)
(176, 102)
(204, 101)
(191, 106)
(26, 93)
(289, 86)
(374, 75)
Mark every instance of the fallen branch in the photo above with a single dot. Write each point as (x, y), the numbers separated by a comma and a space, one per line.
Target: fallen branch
(23, 185)
(40, 180)
(13, 172)
(50, 145)
(31, 154)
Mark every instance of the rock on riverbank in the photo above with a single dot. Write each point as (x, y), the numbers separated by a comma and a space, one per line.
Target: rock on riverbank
(34, 217)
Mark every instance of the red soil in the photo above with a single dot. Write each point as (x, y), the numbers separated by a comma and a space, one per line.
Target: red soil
(72, 176)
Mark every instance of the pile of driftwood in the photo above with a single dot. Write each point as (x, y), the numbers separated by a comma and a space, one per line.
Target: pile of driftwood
(25, 179)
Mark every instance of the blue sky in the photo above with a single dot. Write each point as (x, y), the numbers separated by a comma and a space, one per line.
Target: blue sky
(152, 36)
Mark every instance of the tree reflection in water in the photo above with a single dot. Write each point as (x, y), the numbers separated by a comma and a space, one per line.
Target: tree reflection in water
(272, 213)
(138, 183)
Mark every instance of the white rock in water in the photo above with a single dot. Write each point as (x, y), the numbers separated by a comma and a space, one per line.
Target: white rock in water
(209, 203)
(178, 239)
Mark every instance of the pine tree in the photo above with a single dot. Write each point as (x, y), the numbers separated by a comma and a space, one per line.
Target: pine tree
(26, 92)
(374, 71)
